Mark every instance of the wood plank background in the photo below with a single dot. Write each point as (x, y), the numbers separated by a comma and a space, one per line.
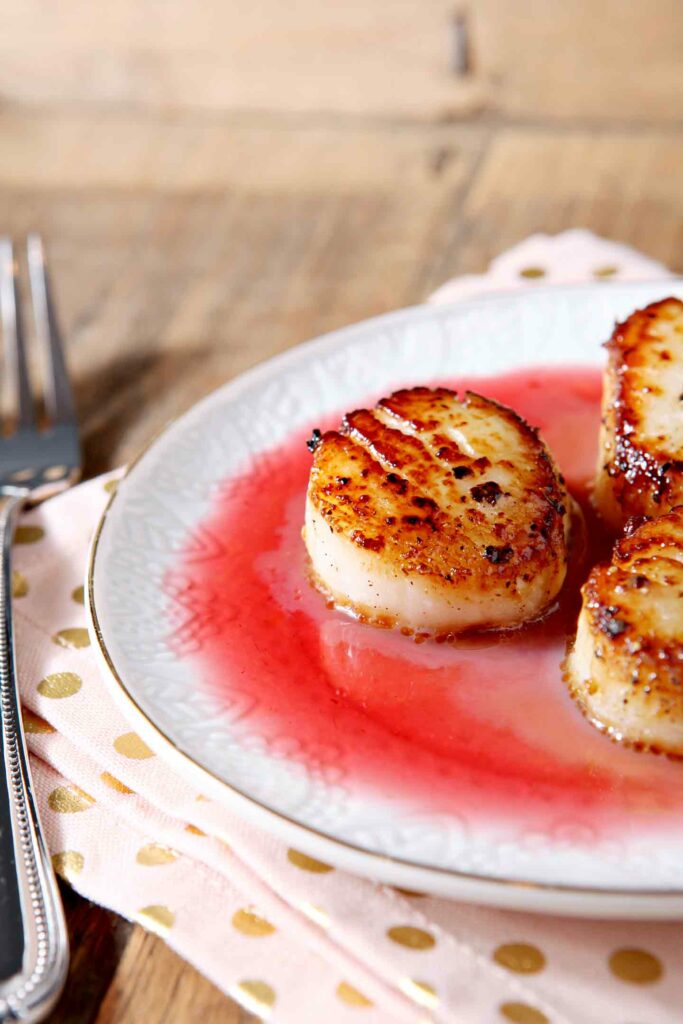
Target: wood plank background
(390, 58)
(217, 182)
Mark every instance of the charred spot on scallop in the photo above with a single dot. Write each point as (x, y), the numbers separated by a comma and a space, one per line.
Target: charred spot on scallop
(640, 470)
(626, 666)
(314, 440)
(437, 513)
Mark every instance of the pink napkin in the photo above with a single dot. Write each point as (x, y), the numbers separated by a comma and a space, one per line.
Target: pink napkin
(289, 937)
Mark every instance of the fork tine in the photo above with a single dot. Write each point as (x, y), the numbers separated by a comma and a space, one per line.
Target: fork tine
(58, 395)
(13, 332)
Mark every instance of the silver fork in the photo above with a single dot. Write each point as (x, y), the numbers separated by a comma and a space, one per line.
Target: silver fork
(35, 463)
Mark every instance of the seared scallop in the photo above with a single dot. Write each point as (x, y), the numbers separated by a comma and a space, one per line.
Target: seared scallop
(626, 668)
(438, 514)
(640, 471)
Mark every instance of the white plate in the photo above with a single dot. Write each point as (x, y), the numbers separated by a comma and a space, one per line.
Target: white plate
(171, 489)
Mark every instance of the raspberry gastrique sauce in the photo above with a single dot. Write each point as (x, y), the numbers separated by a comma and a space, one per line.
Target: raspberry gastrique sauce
(484, 726)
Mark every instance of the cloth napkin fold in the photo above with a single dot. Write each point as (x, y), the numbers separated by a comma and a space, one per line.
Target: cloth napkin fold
(289, 937)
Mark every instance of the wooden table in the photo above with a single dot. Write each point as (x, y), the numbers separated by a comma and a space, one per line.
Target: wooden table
(187, 247)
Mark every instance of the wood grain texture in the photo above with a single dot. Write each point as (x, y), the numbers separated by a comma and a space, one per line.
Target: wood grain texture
(98, 939)
(387, 57)
(167, 291)
(153, 984)
(568, 59)
(620, 184)
(540, 59)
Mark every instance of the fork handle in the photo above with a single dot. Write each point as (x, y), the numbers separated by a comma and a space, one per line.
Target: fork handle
(33, 939)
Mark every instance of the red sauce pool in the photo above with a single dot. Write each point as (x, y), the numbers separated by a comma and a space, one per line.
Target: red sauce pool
(485, 728)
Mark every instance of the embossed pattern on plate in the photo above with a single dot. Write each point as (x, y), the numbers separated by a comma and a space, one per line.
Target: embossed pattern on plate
(168, 492)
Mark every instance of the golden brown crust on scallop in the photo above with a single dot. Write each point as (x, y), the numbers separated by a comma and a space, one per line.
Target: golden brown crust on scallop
(640, 471)
(451, 489)
(626, 669)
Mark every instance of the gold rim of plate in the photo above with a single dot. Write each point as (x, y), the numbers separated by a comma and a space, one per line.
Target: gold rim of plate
(167, 744)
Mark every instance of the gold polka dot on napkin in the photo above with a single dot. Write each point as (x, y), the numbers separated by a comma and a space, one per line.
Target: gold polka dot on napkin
(249, 923)
(74, 637)
(635, 965)
(410, 937)
(60, 684)
(69, 800)
(68, 864)
(28, 534)
(520, 957)
(154, 854)
(110, 780)
(259, 994)
(34, 724)
(522, 1013)
(19, 584)
(306, 863)
(157, 917)
(351, 996)
(130, 745)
